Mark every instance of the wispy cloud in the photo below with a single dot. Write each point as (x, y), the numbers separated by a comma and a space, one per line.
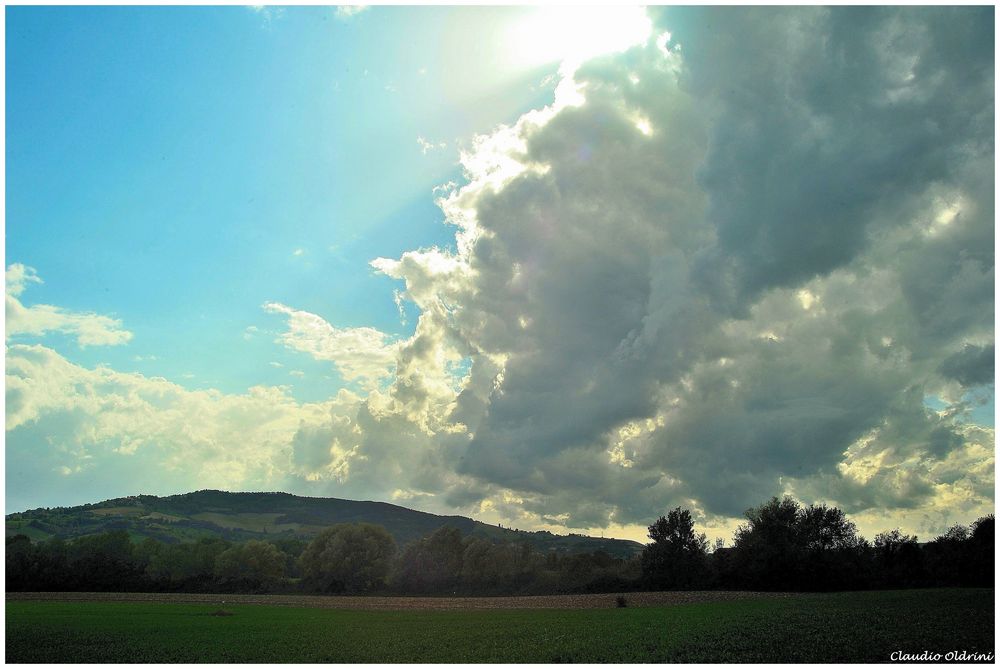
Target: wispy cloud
(346, 12)
(268, 12)
(426, 145)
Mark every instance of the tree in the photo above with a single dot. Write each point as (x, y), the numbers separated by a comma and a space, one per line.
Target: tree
(961, 555)
(188, 562)
(898, 559)
(22, 563)
(432, 563)
(253, 563)
(982, 547)
(833, 556)
(146, 550)
(292, 550)
(676, 557)
(348, 558)
(104, 562)
(483, 565)
(824, 528)
(767, 549)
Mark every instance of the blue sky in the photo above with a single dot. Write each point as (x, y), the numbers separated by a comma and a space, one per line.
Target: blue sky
(558, 268)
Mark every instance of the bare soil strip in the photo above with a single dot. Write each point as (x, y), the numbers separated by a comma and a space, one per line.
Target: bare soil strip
(598, 601)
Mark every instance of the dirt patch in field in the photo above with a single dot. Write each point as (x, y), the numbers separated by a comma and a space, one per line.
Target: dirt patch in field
(601, 601)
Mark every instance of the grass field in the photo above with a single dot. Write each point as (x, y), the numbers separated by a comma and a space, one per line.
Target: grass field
(841, 627)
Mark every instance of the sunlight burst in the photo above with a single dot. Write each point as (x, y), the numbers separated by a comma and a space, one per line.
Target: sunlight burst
(574, 34)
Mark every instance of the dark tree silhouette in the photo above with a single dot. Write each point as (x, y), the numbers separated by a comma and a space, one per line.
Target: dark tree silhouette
(899, 561)
(982, 546)
(677, 556)
(767, 549)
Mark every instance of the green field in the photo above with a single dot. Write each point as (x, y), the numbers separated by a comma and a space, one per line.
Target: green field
(842, 627)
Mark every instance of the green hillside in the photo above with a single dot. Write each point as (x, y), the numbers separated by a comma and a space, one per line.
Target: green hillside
(272, 515)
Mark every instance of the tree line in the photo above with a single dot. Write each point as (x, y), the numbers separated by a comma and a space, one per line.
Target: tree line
(785, 546)
(781, 546)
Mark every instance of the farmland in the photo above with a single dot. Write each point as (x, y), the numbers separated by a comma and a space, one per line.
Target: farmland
(660, 627)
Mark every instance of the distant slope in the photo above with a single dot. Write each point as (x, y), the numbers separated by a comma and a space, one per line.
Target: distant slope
(273, 515)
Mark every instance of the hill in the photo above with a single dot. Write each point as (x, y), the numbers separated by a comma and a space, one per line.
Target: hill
(238, 516)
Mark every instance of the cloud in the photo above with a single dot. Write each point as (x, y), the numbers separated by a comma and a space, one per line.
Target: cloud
(268, 12)
(733, 251)
(971, 366)
(359, 354)
(88, 328)
(123, 433)
(18, 276)
(871, 109)
(426, 146)
(347, 12)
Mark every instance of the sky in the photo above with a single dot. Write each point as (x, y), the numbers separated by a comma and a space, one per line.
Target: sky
(558, 269)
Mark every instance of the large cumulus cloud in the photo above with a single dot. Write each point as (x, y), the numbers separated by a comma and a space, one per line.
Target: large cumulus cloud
(748, 251)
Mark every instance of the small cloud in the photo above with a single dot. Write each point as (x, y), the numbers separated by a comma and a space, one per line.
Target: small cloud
(17, 276)
(403, 494)
(267, 12)
(90, 329)
(390, 88)
(399, 297)
(662, 41)
(422, 71)
(250, 331)
(360, 354)
(445, 187)
(296, 372)
(346, 12)
(144, 358)
(275, 364)
(426, 146)
(298, 252)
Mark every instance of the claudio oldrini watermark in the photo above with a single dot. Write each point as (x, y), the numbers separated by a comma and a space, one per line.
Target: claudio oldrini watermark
(950, 656)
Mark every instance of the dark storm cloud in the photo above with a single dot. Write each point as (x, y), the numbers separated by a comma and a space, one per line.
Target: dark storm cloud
(971, 366)
(825, 122)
